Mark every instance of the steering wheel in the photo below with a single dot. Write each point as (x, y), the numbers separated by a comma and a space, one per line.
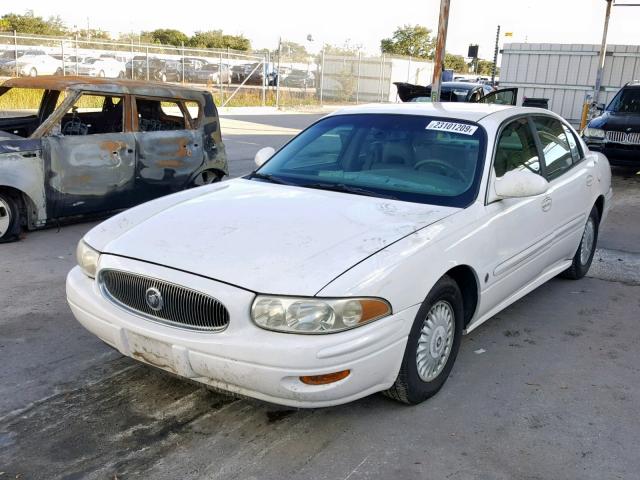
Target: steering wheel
(448, 169)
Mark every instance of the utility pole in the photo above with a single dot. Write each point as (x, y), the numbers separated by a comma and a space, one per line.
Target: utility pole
(603, 53)
(495, 59)
(277, 76)
(438, 59)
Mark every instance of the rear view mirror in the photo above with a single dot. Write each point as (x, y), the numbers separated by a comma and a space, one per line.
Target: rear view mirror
(520, 183)
(263, 155)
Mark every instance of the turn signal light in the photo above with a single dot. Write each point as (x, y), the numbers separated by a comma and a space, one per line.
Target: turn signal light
(326, 378)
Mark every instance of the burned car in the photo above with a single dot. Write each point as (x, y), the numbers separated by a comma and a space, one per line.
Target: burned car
(72, 147)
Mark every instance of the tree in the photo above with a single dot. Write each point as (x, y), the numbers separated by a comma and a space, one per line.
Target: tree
(29, 23)
(216, 39)
(133, 37)
(455, 63)
(292, 51)
(169, 36)
(410, 40)
(485, 67)
(347, 49)
(93, 33)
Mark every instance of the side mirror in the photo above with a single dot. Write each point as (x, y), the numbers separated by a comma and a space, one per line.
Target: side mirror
(263, 155)
(520, 183)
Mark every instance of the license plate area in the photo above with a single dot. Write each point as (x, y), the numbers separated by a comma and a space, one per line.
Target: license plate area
(151, 351)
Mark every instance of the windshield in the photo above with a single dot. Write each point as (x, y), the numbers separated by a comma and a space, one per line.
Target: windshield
(626, 101)
(407, 157)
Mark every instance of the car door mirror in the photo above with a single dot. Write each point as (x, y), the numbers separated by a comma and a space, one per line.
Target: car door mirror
(520, 183)
(263, 155)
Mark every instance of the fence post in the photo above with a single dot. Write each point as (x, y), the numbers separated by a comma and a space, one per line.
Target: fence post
(147, 58)
(381, 76)
(278, 73)
(132, 61)
(264, 80)
(77, 60)
(409, 70)
(322, 77)
(229, 68)
(358, 81)
(182, 62)
(15, 47)
(63, 62)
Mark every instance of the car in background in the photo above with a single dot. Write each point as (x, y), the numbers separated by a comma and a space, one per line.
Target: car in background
(209, 73)
(88, 146)
(451, 92)
(298, 78)
(616, 132)
(101, 67)
(252, 74)
(31, 64)
(353, 259)
(10, 56)
(141, 67)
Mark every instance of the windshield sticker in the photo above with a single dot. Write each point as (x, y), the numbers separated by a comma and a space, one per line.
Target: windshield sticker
(453, 127)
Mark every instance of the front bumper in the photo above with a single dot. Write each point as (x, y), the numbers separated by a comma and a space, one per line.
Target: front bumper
(618, 154)
(244, 358)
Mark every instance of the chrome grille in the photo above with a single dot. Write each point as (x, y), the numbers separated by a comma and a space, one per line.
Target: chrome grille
(622, 137)
(178, 306)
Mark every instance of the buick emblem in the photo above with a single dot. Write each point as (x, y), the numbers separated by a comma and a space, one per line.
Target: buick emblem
(154, 299)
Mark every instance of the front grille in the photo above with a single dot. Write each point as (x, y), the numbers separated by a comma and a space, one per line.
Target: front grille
(164, 302)
(622, 137)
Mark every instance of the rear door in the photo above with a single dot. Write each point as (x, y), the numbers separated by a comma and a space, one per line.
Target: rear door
(505, 96)
(169, 147)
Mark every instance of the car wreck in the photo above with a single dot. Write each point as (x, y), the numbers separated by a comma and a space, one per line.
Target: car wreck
(72, 147)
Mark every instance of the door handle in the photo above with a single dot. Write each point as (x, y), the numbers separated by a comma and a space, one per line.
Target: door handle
(546, 204)
(129, 150)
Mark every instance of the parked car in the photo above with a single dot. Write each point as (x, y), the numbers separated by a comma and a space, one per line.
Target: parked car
(616, 132)
(101, 67)
(209, 72)
(253, 73)
(159, 69)
(72, 64)
(354, 258)
(10, 56)
(110, 144)
(450, 92)
(299, 79)
(32, 63)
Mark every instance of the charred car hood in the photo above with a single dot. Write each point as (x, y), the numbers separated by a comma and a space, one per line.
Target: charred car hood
(408, 91)
(262, 237)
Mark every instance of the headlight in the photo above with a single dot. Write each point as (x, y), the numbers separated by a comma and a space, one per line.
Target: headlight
(593, 133)
(316, 315)
(87, 258)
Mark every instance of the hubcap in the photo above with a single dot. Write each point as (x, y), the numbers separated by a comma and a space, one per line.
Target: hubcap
(586, 245)
(5, 217)
(436, 339)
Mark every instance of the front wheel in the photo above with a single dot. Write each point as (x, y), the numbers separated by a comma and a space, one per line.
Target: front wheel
(33, 72)
(432, 345)
(587, 248)
(206, 177)
(9, 218)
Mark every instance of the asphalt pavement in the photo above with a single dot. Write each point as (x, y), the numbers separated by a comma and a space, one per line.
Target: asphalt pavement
(547, 389)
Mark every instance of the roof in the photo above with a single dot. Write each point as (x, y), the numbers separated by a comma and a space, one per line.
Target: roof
(461, 110)
(107, 85)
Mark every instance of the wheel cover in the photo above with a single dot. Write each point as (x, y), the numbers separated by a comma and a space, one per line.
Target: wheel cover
(5, 217)
(436, 340)
(588, 240)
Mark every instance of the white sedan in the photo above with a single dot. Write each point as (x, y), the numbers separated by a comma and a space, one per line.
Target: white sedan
(102, 67)
(354, 258)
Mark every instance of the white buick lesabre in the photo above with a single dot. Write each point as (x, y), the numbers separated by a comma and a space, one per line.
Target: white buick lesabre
(354, 258)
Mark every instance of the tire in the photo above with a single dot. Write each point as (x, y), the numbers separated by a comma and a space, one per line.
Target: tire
(163, 78)
(58, 72)
(9, 217)
(206, 177)
(33, 72)
(101, 74)
(437, 326)
(587, 248)
(121, 75)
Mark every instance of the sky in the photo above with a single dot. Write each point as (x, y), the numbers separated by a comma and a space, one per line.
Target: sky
(362, 23)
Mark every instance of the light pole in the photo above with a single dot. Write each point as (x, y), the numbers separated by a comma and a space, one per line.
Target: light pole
(438, 59)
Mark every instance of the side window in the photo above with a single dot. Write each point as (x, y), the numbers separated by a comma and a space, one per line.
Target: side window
(516, 149)
(573, 144)
(193, 108)
(91, 114)
(555, 146)
(156, 115)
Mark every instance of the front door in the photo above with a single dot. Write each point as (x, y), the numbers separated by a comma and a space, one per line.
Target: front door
(89, 157)
(169, 147)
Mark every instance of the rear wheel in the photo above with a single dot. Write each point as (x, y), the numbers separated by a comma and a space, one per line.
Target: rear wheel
(206, 177)
(432, 345)
(587, 248)
(101, 74)
(9, 217)
(33, 72)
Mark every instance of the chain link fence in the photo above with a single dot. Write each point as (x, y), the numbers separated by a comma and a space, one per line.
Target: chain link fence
(235, 78)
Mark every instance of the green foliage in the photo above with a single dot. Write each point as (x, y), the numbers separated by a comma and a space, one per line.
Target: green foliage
(95, 34)
(169, 36)
(347, 49)
(485, 67)
(29, 23)
(292, 51)
(410, 40)
(217, 39)
(455, 63)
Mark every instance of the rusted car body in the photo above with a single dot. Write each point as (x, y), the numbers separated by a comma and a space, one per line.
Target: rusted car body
(98, 145)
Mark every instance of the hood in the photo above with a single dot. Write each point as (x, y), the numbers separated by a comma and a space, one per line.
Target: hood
(622, 122)
(262, 237)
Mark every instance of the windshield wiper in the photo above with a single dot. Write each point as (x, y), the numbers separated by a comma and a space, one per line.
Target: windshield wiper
(269, 178)
(341, 187)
